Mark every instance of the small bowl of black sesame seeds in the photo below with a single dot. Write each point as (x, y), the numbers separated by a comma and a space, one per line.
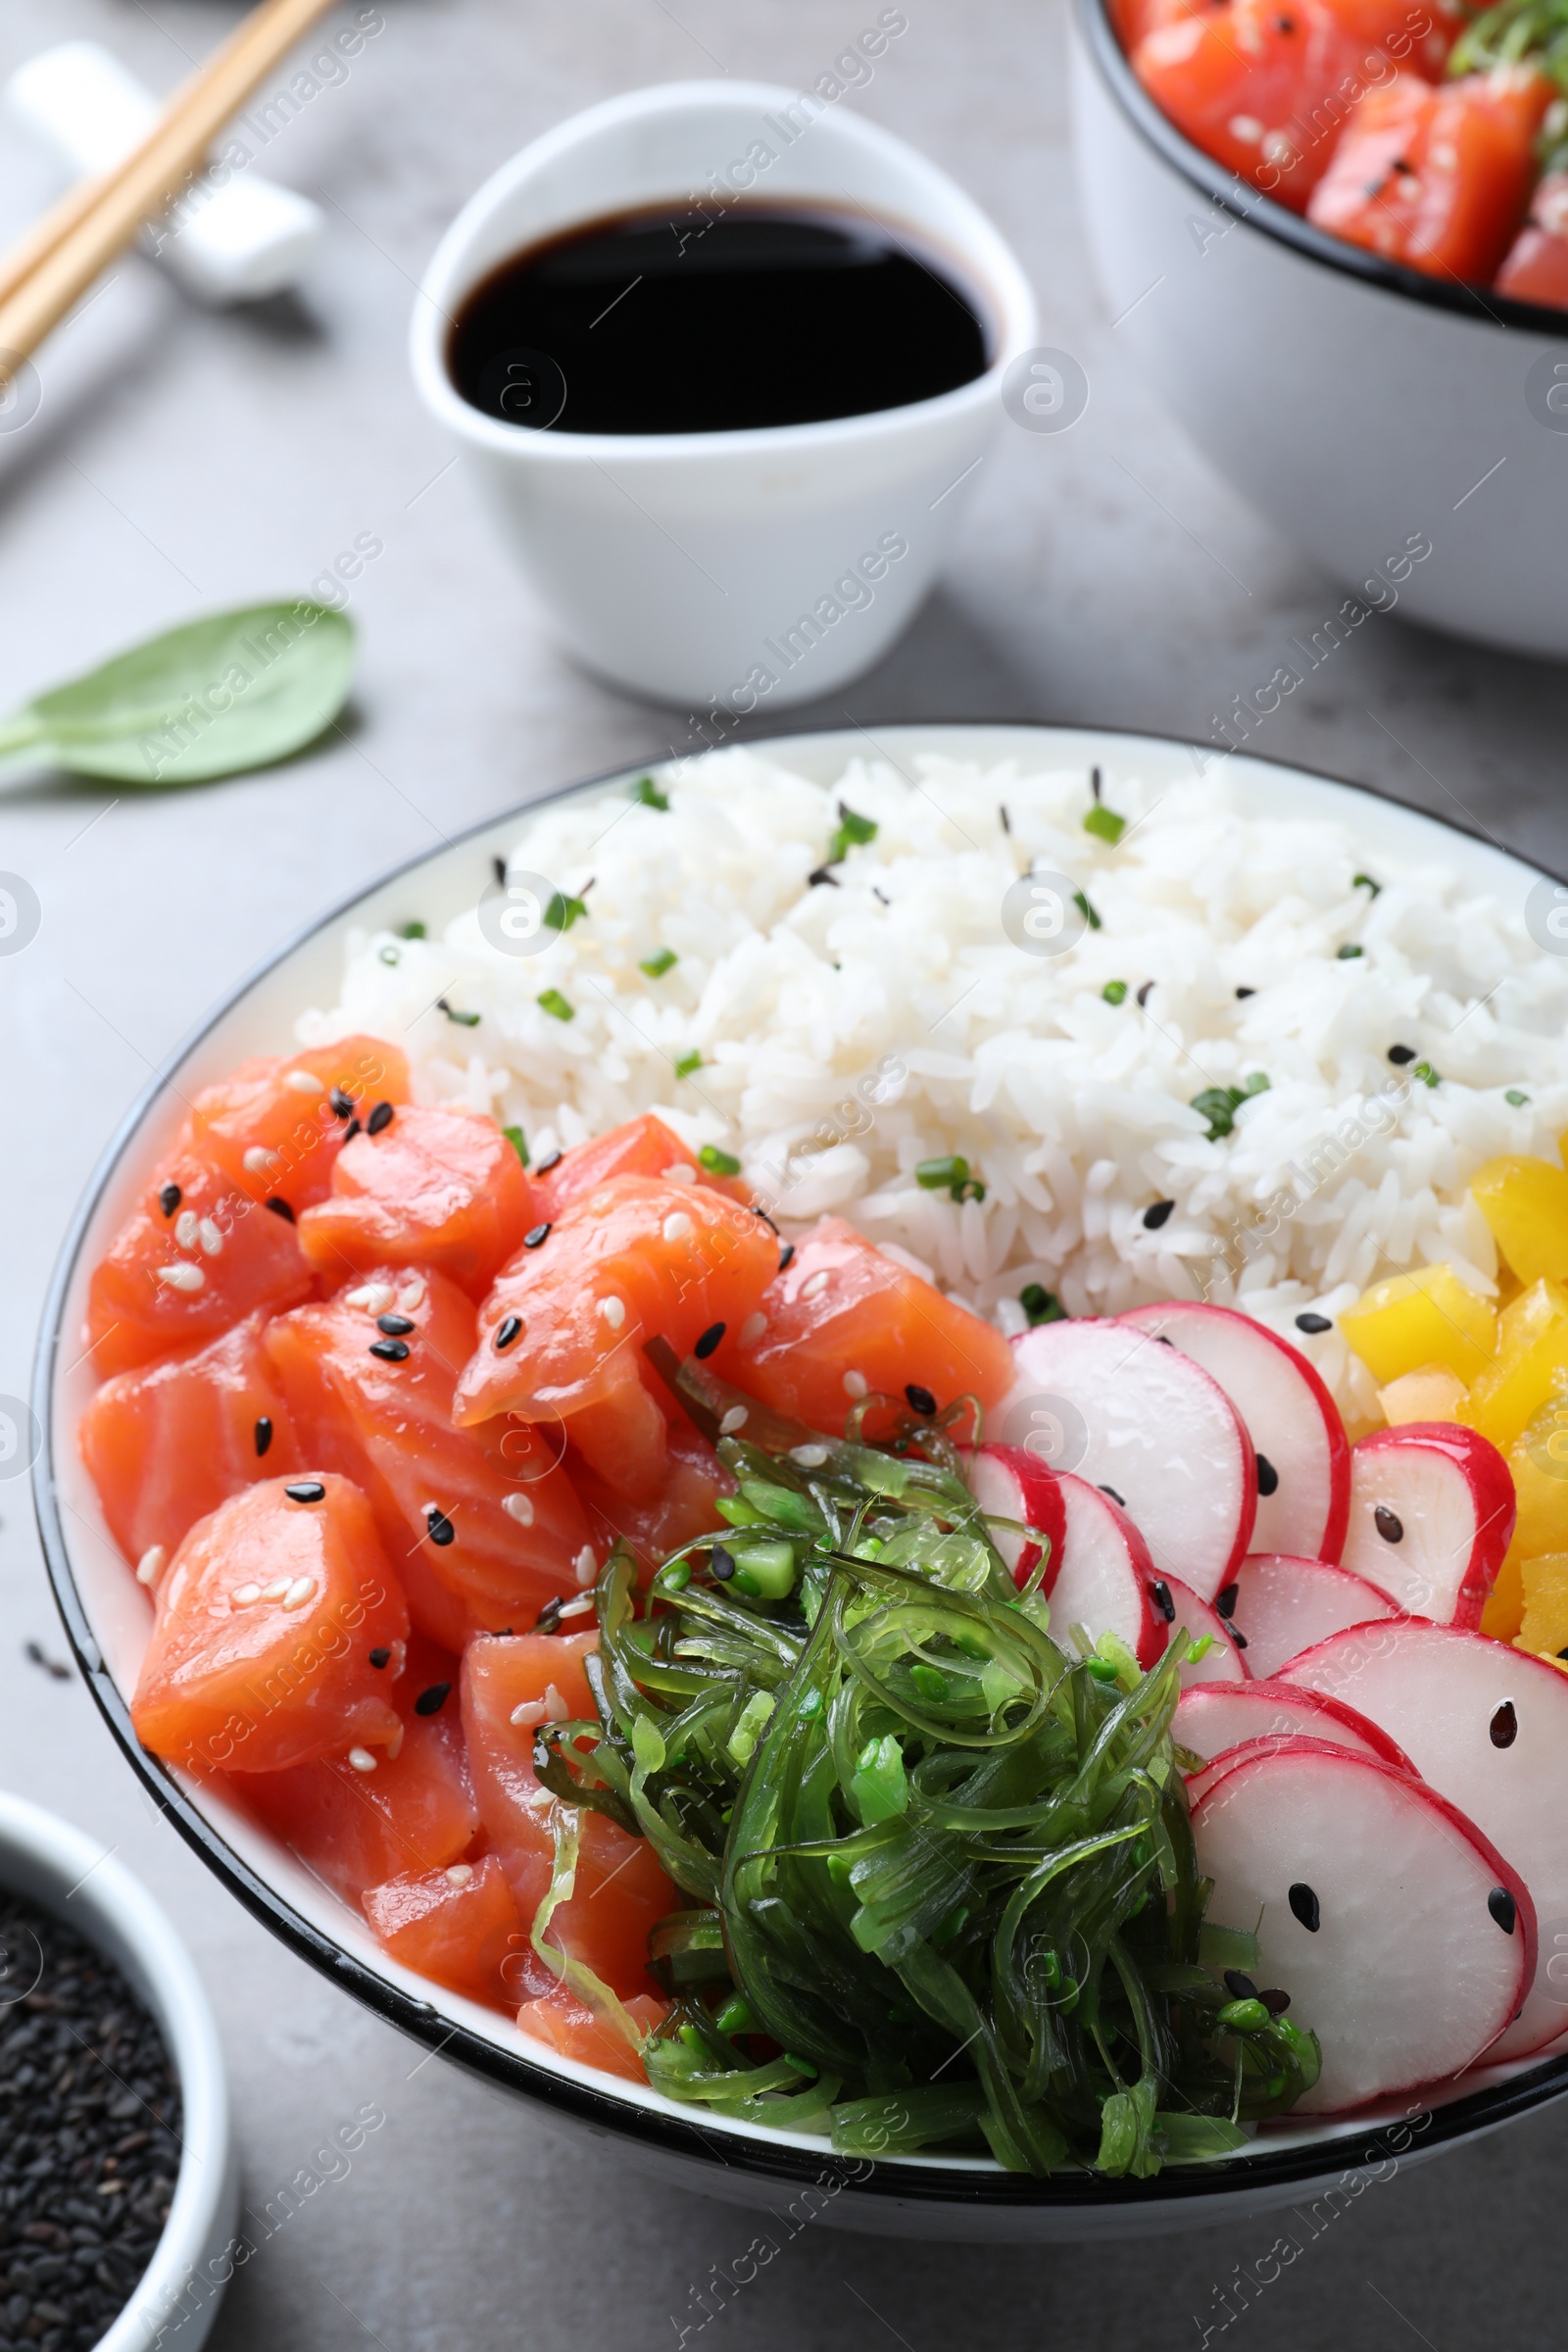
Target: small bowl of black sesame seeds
(118, 2195)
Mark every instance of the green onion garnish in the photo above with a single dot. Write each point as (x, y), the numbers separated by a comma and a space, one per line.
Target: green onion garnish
(950, 1175)
(1114, 992)
(1087, 911)
(1220, 1105)
(519, 1142)
(648, 792)
(1104, 823)
(685, 1063)
(853, 830)
(718, 1162)
(662, 960)
(551, 1001)
(563, 910)
(1041, 1305)
(411, 931)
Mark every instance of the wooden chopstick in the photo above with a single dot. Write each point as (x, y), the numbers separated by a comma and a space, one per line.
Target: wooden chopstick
(52, 265)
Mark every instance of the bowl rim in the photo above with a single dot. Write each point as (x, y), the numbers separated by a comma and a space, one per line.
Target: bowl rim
(929, 2184)
(1230, 194)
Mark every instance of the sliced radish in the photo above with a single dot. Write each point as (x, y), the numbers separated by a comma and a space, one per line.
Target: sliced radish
(1102, 1577)
(1154, 1431)
(1015, 1483)
(1180, 1608)
(1488, 1726)
(1304, 1457)
(1432, 1511)
(1214, 1716)
(1284, 1606)
(1401, 1935)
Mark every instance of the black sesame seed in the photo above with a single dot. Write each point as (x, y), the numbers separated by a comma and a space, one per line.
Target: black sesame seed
(1274, 2001)
(1390, 1529)
(1305, 1903)
(1240, 1987)
(380, 1117)
(1268, 1478)
(1313, 1323)
(391, 1352)
(380, 1659)
(709, 1340)
(1143, 993)
(1504, 1724)
(432, 1700)
(353, 1128)
(396, 1327)
(263, 1433)
(1161, 1340)
(507, 1332)
(548, 1620)
(536, 1237)
(1225, 1601)
(551, 1159)
(785, 1255)
(1238, 1636)
(281, 1208)
(498, 866)
(342, 1103)
(1504, 1910)
(1246, 991)
(820, 875)
(1119, 1499)
(1400, 1055)
(722, 1563)
(1156, 1216)
(438, 1527)
(503, 1633)
(1160, 1593)
(169, 1199)
(920, 1399)
(306, 1490)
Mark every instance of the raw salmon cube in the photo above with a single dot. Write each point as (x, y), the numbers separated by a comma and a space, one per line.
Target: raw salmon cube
(572, 2029)
(426, 1187)
(459, 1925)
(643, 1147)
(275, 1125)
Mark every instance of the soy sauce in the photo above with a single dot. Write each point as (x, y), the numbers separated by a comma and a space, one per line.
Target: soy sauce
(660, 322)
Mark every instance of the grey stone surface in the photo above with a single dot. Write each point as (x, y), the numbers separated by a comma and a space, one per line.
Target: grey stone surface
(182, 461)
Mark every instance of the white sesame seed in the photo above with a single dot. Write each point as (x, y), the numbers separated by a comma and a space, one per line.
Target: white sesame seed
(181, 1276)
(243, 1595)
(186, 1227)
(582, 1606)
(855, 1384)
(212, 1239)
(258, 1160)
(150, 1567)
(752, 1328)
(614, 1311)
(1276, 149)
(276, 1589)
(529, 1712)
(460, 1873)
(558, 1709)
(411, 1297)
(736, 1418)
(394, 1747)
(681, 1171)
(677, 1227)
(1247, 128)
(586, 1565)
(299, 1592)
(518, 1507)
(810, 1457)
(305, 1082)
(362, 1759)
(374, 1296)
(813, 1286)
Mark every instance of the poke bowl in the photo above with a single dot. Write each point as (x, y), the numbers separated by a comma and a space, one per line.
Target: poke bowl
(391, 1562)
(1397, 425)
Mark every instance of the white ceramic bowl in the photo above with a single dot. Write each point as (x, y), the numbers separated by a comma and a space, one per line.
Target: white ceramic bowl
(703, 568)
(107, 1615)
(1368, 410)
(71, 1876)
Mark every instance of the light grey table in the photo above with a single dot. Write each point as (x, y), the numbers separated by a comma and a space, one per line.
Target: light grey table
(183, 461)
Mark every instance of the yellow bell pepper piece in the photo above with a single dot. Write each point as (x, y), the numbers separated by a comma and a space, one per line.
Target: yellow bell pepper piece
(1525, 1201)
(1544, 1627)
(1502, 1611)
(1417, 1319)
(1531, 1371)
(1434, 1393)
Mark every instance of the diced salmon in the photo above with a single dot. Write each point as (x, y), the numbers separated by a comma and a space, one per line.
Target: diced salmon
(563, 1331)
(414, 1812)
(573, 2031)
(684, 1507)
(1438, 178)
(1132, 20)
(490, 1517)
(259, 1655)
(1536, 265)
(459, 1925)
(166, 1443)
(191, 1260)
(429, 1187)
(843, 1322)
(1417, 35)
(620, 1891)
(643, 1147)
(275, 1125)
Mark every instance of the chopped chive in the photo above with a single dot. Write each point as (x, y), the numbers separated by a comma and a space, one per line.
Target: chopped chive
(555, 1004)
(648, 793)
(1114, 992)
(687, 1063)
(662, 960)
(563, 910)
(464, 1021)
(413, 931)
(1041, 1305)
(390, 955)
(950, 1175)
(1104, 823)
(853, 830)
(1218, 1105)
(718, 1162)
(1365, 882)
(1426, 1073)
(519, 1142)
(1514, 1096)
(1348, 951)
(1087, 911)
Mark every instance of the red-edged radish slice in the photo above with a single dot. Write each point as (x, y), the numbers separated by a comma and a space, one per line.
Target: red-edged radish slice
(1488, 1726)
(1102, 1577)
(1401, 1934)
(1015, 1483)
(1304, 1456)
(1180, 1608)
(1214, 1716)
(1149, 1426)
(1284, 1606)
(1432, 1511)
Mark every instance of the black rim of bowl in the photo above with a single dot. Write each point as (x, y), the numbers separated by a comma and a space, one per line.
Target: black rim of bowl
(930, 2183)
(1233, 196)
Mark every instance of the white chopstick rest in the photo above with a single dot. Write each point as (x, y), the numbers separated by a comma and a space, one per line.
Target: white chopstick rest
(234, 243)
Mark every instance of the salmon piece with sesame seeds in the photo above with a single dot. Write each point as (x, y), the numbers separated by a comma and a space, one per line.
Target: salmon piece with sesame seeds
(643, 1147)
(458, 1925)
(276, 1124)
(422, 1188)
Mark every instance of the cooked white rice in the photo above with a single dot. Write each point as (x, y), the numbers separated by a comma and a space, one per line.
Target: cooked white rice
(848, 1033)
